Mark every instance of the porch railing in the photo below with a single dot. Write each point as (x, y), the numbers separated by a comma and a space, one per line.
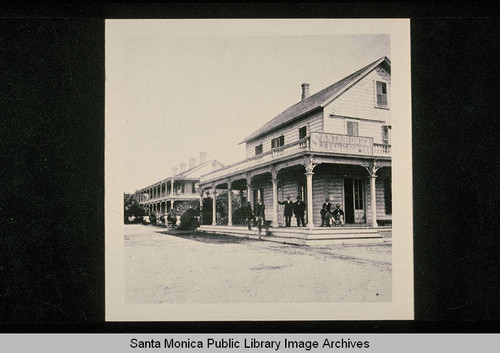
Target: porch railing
(381, 149)
(263, 158)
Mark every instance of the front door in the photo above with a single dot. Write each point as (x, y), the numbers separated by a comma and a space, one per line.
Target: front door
(354, 200)
(348, 200)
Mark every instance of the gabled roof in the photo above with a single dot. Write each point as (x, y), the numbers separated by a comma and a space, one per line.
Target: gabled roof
(317, 100)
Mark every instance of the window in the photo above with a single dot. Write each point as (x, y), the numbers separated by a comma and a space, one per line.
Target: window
(381, 94)
(385, 133)
(302, 132)
(388, 196)
(358, 194)
(258, 149)
(352, 128)
(278, 141)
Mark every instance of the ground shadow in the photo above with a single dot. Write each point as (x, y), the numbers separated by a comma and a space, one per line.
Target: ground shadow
(203, 237)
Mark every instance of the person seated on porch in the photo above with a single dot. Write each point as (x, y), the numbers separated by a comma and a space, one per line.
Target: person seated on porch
(338, 216)
(288, 210)
(249, 215)
(325, 216)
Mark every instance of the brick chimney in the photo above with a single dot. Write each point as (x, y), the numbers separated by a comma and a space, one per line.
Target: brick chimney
(305, 90)
(183, 167)
(203, 157)
(192, 162)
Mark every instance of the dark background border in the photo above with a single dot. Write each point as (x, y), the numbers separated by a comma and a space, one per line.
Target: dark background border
(52, 164)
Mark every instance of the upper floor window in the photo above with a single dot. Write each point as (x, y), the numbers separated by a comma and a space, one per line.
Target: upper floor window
(258, 149)
(278, 141)
(381, 94)
(385, 133)
(302, 132)
(352, 128)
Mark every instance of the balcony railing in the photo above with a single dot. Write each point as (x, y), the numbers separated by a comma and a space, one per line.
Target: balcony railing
(177, 195)
(259, 159)
(381, 149)
(322, 142)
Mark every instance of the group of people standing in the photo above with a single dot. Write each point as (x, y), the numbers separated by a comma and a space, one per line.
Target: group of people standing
(296, 208)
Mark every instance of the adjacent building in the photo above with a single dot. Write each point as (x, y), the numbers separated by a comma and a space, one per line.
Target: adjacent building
(178, 192)
(333, 144)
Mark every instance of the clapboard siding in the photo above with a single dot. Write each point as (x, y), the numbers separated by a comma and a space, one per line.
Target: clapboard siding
(380, 191)
(325, 184)
(290, 132)
(338, 125)
(359, 103)
(360, 100)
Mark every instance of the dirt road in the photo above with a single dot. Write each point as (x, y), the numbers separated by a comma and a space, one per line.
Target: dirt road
(202, 268)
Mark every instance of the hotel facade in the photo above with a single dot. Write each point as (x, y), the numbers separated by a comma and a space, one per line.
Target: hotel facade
(333, 144)
(178, 192)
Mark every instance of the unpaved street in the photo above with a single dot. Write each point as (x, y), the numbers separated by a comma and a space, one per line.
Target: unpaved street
(202, 268)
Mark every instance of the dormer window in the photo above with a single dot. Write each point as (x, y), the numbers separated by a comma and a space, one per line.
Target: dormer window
(278, 141)
(302, 132)
(381, 91)
(258, 149)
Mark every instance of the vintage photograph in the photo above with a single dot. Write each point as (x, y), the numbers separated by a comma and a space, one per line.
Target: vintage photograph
(258, 170)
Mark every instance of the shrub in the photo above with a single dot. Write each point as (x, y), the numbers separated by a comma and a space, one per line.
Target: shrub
(239, 216)
(152, 218)
(187, 220)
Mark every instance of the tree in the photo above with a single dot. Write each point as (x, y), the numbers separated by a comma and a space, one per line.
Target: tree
(133, 211)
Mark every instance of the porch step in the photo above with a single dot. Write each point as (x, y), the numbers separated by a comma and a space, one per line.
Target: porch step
(302, 236)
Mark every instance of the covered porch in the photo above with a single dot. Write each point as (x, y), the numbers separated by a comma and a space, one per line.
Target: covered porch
(307, 237)
(361, 185)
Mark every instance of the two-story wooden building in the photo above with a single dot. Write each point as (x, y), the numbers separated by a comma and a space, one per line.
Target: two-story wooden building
(178, 192)
(333, 144)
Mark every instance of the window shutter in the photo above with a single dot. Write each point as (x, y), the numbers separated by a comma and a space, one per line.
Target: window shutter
(381, 93)
(282, 140)
(349, 128)
(385, 134)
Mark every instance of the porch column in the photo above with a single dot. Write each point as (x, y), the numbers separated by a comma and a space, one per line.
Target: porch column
(274, 175)
(229, 204)
(373, 200)
(172, 188)
(214, 206)
(309, 188)
(249, 189)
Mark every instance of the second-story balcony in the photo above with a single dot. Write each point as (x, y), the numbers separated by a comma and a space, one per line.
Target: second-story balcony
(176, 196)
(317, 142)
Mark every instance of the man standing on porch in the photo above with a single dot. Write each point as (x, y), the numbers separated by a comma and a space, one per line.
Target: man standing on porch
(299, 208)
(288, 210)
(249, 215)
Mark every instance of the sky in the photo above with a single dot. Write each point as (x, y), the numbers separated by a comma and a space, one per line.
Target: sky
(182, 92)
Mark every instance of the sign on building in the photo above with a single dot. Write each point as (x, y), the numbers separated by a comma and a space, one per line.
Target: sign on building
(323, 142)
